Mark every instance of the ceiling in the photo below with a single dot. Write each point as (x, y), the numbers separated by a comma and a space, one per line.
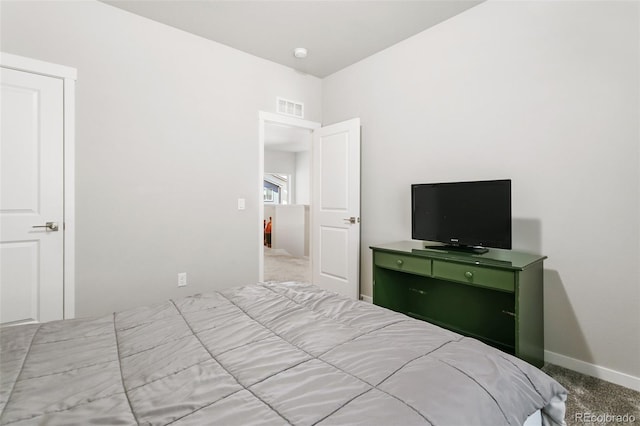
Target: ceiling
(336, 33)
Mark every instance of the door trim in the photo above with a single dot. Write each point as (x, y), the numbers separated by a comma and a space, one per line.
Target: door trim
(69, 77)
(263, 118)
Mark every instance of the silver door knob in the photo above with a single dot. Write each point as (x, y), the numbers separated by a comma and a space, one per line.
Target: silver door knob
(352, 219)
(51, 226)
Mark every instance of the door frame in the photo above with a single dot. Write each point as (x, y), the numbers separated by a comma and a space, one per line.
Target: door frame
(69, 77)
(264, 118)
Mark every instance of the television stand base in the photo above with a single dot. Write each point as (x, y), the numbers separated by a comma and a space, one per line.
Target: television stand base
(496, 297)
(458, 249)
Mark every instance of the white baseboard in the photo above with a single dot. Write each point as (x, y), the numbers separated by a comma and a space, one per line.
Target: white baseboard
(622, 379)
(365, 298)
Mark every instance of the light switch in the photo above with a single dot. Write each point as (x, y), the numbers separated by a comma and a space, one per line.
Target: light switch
(241, 203)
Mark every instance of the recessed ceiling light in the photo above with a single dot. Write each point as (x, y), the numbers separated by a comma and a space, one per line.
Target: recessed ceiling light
(300, 52)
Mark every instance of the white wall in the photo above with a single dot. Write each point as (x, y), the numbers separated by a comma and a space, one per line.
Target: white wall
(303, 177)
(289, 231)
(544, 93)
(290, 228)
(282, 162)
(167, 140)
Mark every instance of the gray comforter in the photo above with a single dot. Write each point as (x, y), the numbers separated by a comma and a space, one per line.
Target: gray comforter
(264, 354)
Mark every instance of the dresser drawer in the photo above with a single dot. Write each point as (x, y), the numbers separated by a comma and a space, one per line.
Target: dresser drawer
(398, 262)
(498, 279)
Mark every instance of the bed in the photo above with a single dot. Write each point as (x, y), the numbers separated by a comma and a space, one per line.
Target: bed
(264, 354)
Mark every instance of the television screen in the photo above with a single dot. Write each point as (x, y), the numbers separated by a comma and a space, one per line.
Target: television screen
(464, 214)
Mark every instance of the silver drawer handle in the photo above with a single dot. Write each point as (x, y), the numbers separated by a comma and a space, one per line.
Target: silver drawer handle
(51, 226)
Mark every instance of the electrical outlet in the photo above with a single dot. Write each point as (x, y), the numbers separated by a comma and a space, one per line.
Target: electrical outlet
(182, 279)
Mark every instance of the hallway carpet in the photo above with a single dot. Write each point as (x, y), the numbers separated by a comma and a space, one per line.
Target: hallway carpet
(279, 265)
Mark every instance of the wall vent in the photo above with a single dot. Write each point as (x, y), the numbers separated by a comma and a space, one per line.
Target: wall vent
(292, 108)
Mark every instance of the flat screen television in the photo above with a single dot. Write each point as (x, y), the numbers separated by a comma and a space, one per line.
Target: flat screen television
(463, 215)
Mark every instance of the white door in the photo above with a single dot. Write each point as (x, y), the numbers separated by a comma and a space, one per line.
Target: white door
(31, 195)
(336, 208)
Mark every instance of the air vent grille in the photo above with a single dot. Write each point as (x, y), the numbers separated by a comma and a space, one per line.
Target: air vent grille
(292, 108)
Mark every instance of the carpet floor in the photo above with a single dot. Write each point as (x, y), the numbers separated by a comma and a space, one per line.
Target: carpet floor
(591, 401)
(279, 265)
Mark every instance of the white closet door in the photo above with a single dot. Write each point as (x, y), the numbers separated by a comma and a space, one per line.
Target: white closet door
(31, 195)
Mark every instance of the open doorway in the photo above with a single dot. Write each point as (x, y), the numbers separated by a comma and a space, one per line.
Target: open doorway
(285, 198)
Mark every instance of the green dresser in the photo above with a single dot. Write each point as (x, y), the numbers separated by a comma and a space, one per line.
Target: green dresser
(496, 297)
